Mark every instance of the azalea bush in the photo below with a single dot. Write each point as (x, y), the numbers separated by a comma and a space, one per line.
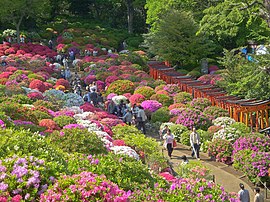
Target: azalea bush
(223, 121)
(254, 164)
(177, 106)
(26, 176)
(161, 115)
(77, 140)
(136, 98)
(121, 87)
(213, 112)
(192, 118)
(172, 88)
(228, 133)
(146, 91)
(151, 105)
(177, 130)
(85, 186)
(165, 100)
(182, 97)
(199, 103)
(221, 150)
(63, 120)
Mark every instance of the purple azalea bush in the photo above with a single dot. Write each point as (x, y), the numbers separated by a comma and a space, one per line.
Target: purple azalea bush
(151, 105)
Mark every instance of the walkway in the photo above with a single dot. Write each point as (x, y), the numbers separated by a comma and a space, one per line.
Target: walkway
(224, 175)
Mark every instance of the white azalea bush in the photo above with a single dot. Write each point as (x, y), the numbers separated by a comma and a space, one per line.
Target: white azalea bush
(126, 151)
(228, 133)
(223, 121)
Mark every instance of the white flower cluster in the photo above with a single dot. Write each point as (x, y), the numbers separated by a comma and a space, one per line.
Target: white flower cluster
(228, 133)
(126, 151)
(83, 116)
(223, 121)
(75, 109)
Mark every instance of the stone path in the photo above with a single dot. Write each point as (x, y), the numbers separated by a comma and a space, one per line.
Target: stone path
(223, 174)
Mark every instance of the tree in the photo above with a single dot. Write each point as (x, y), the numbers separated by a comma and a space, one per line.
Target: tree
(175, 39)
(17, 10)
(244, 78)
(232, 22)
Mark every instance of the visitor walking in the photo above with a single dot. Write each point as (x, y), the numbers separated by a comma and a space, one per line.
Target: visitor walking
(243, 194)
(195, 143)
(169, 138)
(67, 73)
(258, 196)
(94, 97)
(164, 131)
(141, 118)
(50, 44)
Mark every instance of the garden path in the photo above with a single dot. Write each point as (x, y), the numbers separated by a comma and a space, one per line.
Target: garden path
(223, 174)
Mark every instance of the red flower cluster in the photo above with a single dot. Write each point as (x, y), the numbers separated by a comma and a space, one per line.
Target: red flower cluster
(37, 84)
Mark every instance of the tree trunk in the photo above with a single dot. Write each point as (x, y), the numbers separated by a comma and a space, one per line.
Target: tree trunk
(267, 14)
(18, 28)
(130, 14)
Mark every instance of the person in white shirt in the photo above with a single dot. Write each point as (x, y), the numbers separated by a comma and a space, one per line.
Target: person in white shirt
(258, 196)
(141, 118)
(195, 143)
(169, 137)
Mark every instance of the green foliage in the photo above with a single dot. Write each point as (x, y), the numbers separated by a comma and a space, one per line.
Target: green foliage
(64, 120)
(182, 97)
(194, 170)
(8, 122)
(177, 130)
(246, 79)
(121, 87)
(47, 104)
(241, 127)
(77, 140)
(22, 142)
(41, 115)
(146, 91)
(175, 39)
(185, 138)
(161, 115)
(194, 73)
(231, 23)
(165, 100)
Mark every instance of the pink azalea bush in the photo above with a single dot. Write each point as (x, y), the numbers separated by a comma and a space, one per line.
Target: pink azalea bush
(193, 118)
(136, 98)
(85, 186)
(151, 105)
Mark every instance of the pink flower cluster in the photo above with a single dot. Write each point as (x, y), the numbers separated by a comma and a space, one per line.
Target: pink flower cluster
(151, 105)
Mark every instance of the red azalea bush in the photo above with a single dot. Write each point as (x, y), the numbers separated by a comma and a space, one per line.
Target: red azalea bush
(100, 85)
(119, 143)
(127, 95)
(62, 82)
(111, 122)
(5, 75)
(107, 130)
(49, 124)
(37, 84)
(111, 79)
(11, 69)
(90, 79)
(146, 91)
(48, 86)
(35, 96)
(87, 107)
(136, 98)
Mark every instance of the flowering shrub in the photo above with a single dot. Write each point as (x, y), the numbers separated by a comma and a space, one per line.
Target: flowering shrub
(49, 124)
(151, 105)
(178, 130)
(254, 164)
(121, 87)
(193, 118)
(171, 88)
(177, 105)
(72, 99)
(62, 82)
(125, 150)
(165, 100)
(228, 133)
(111, 79)
(119, 143)
(182, 97)
(253, 142)
(74, 125)
(213, 129)
(37, 84)
(185, 189)
(164, 92)
(63, 120)
(221, 150)
(2, 124)
(213, 112)
(199, 103)
(146, 91)
(90, 79)
(136, 98)
(26, 177)
(77, 140)
(111, 122)
(85, 186)
(223, 121)
(35, 96)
